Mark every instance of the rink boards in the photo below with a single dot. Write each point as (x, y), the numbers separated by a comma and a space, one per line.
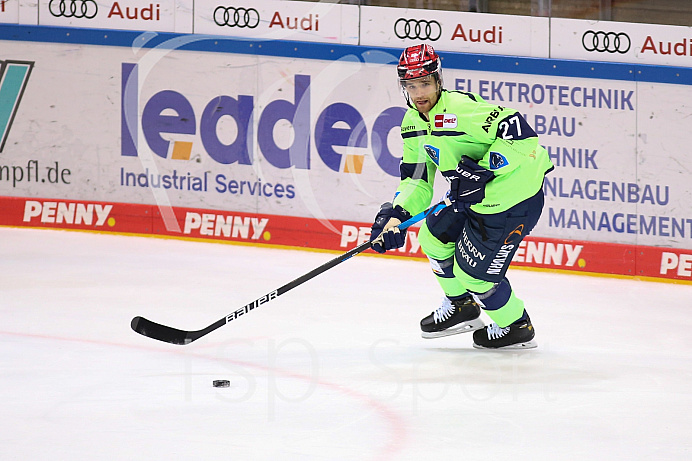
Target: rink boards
(297, 144)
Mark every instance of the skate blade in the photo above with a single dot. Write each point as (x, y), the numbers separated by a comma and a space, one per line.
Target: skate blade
(526, 345)
(463, 327)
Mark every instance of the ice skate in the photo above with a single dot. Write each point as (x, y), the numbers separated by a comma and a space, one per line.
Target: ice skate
(515, 336)
(451, 318)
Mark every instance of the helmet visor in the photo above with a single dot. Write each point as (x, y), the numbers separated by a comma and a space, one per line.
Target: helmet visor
(419, 70)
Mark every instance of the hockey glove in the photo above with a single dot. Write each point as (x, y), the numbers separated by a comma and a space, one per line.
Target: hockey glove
(384, 234)
(467, 184)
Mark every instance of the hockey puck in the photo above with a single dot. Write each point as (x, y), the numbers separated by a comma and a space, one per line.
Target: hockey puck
(221, 383)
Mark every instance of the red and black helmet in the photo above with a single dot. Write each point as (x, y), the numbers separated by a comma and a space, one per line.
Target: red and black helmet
(418, 61)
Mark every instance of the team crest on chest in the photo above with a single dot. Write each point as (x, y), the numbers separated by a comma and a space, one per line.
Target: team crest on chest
(433, 152)
(445, 121)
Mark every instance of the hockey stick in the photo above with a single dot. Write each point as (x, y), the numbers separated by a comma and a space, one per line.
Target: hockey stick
(175, 336)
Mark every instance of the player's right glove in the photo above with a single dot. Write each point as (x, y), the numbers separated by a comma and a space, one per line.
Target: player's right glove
(384, 234)
(467, 183)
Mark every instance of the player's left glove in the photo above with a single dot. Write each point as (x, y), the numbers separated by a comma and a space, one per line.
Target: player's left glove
(384, 234)
(467, 183)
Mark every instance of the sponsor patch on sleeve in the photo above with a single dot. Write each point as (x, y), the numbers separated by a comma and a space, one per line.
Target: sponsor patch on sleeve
(433, 152)
(497, 161)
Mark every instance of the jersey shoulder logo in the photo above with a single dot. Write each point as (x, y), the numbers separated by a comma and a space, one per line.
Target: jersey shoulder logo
(445, 121)
(497, 161)
(433, 152)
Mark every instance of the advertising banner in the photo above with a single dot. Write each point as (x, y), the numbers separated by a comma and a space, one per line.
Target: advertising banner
(455, 31)
(332, 22)
(194, 223)
(277, 20)
(621, 170)
(287, 231)
(621, 42)
(9, 11)
(162, 16)
(209, 130)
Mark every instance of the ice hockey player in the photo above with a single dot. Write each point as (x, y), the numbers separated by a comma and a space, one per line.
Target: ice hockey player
(495, 167)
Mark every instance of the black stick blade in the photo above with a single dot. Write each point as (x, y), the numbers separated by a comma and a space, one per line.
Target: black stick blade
(161, 332)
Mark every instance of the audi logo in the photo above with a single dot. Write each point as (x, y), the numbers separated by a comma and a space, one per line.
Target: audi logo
(73, 8)
(417, 29)
(236, 17)
(611, 42)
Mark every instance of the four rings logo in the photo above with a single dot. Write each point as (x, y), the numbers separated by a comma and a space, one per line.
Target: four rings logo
(417, 29)
(236, 17)
(611, 42)
(73, 8)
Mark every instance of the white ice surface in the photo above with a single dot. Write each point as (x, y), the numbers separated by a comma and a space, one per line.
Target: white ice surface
(332, 370)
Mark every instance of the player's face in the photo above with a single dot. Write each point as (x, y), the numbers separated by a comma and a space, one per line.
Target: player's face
(422, 92)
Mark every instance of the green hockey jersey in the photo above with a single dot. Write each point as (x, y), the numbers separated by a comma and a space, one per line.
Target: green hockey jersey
(496, 137)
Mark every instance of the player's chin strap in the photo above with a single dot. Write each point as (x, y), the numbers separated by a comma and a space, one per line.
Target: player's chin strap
(175, 336)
